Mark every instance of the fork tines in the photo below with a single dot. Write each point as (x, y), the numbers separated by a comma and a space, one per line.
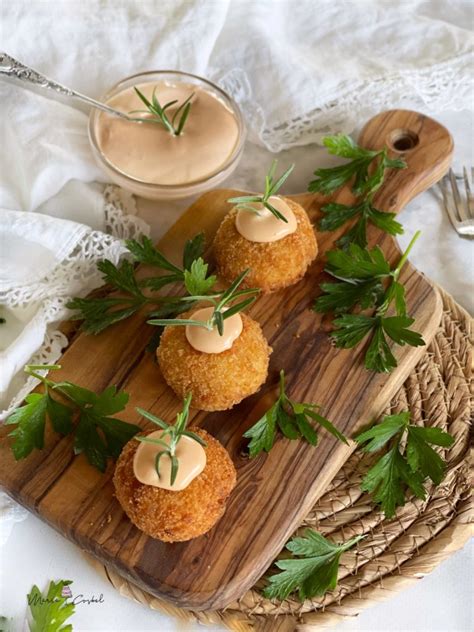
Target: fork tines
(460, 208)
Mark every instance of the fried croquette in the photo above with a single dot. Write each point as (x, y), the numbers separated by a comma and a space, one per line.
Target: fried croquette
(217, 381)
(273, 265)
(176, 516)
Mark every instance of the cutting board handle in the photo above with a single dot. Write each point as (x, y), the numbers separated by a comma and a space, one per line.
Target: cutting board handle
(425, 145)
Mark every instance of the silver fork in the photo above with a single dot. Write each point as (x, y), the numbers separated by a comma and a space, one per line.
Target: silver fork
(460, 209)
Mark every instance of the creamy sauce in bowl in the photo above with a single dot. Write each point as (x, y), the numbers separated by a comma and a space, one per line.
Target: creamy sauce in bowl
(149, 153)
(263, 226)
(190, 454)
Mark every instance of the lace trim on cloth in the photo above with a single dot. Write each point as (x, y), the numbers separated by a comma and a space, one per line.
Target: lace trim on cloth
(76, 275)
(443, 86)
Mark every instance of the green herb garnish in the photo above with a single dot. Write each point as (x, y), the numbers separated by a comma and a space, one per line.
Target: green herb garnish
(248, 202)
(97, 434)
(222, 306)
(175, 432)
(367, 167)
(407, 463)
(361, 275)
(173, 125)
(49, 612)
(338, 214)
(292, 418)
(330, 179)
(102, 312)
(313, 572)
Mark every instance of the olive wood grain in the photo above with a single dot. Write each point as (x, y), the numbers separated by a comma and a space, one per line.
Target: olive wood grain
(275, 490)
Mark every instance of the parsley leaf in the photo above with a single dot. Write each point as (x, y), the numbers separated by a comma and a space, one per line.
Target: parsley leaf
(30, 420)
(313, 572)
(146, 252)
(342, 297)
(193, 249)
(49, 612)
(367, 169)
(366, 180)
(336, 215)
(293, 419)
(97, 434)
(388, 479)
(196, 280)
(94, 417)
(352, 328)
(357, 264)
(409, 460)
(361, 275)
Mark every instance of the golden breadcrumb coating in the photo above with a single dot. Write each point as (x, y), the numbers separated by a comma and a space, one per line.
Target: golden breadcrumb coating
(176, 516)
(217, 381)
(273, 265)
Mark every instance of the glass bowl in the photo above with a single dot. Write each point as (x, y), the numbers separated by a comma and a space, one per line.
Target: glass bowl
(152, 190)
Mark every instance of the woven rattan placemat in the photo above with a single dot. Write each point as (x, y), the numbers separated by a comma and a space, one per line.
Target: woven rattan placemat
(395, 552)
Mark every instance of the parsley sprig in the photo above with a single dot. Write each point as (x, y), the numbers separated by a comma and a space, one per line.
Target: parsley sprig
(336, 215)
(97, 433)
(366, 180)
(408, 461)
(362, 274)
(251, 202)
(99, 313)
(49, 612)
(367, 168)
(175, 124)
(292, 418)
(222, 302)
(314, 569)
(175, 432)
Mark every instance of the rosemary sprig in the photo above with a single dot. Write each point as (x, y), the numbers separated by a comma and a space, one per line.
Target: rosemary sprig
(222, 306)
(175, 432)
(173, 125)
(361, 275)
(98, 313)
(367, 168)
(250, 202)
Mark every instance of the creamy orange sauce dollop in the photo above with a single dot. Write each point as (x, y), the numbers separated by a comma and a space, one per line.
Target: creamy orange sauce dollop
(209, 340)
(263, 226)
(190, 454)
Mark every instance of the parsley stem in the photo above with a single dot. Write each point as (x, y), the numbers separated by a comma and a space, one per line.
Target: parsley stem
(31, 369)
(401, 263)
(282, 383)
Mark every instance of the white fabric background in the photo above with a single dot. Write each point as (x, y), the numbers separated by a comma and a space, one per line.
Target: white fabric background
(299, 69)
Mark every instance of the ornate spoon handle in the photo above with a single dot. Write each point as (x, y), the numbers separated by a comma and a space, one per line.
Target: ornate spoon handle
(11, 67)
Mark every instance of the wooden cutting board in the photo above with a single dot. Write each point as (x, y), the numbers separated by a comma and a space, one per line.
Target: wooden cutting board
(274, 491)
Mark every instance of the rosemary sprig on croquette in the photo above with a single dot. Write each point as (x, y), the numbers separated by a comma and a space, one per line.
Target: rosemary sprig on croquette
(250, 202)
(175, 432)
(223, 303)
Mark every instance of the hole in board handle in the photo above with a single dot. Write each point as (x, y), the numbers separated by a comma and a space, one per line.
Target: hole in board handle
(403, 140)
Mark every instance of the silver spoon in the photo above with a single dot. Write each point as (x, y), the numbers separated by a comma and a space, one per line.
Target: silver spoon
(11, 67)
